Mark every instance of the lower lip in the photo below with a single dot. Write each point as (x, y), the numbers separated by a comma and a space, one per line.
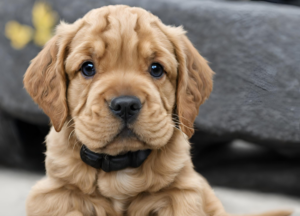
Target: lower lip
(126, 133)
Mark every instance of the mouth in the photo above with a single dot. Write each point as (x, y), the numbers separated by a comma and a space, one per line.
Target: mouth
(126, 133)
(110, 163)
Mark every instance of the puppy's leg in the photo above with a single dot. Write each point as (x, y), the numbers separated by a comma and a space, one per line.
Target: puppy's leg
(171, 202)
(189, 195)
(185, 202)
(184, 197)
(50, 197)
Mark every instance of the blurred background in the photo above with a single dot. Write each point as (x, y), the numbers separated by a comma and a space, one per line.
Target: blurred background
(247, 140)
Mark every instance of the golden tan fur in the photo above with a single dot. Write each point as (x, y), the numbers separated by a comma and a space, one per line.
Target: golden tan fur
(121, 42)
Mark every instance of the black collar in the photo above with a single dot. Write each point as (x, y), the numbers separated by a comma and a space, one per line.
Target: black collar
(110, 163)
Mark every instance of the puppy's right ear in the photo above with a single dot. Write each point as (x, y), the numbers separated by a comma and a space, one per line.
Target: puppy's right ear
(45, 81)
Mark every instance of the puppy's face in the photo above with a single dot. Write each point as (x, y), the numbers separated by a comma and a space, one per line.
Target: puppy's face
(124, 79)
(122, 75)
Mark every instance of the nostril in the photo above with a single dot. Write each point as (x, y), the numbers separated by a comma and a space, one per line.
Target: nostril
(135, 107)
(117, 108)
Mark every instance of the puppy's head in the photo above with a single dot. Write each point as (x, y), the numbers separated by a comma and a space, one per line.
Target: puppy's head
(124, 78)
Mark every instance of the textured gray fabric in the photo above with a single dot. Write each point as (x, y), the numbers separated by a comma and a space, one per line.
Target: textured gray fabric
(13, 98)
(255, 51)
(254, 48)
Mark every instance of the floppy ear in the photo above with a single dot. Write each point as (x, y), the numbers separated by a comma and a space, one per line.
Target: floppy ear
(45, 79)
(194, 83)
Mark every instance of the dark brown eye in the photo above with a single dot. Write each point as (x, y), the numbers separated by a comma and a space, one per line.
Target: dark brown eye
(88, 69)
(156, 70)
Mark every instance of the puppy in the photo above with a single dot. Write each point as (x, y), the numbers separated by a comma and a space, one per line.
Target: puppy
(122, 91)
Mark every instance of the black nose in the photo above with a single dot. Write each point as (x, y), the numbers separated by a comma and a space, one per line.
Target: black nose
(126, 107)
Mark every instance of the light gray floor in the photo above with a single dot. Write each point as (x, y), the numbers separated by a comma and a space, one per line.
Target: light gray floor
(15, 185)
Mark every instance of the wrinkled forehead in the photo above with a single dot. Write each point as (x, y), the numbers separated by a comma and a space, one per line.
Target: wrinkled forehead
(124, 36)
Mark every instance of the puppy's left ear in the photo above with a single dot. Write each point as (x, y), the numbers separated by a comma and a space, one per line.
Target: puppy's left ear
(194, 82)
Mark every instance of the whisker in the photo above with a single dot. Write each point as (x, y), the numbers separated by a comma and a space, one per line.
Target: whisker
(70, 135)
(70, 121)
(180, 123)
(178, 129)
(71, 125)
(75, 143)
(180, 117)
